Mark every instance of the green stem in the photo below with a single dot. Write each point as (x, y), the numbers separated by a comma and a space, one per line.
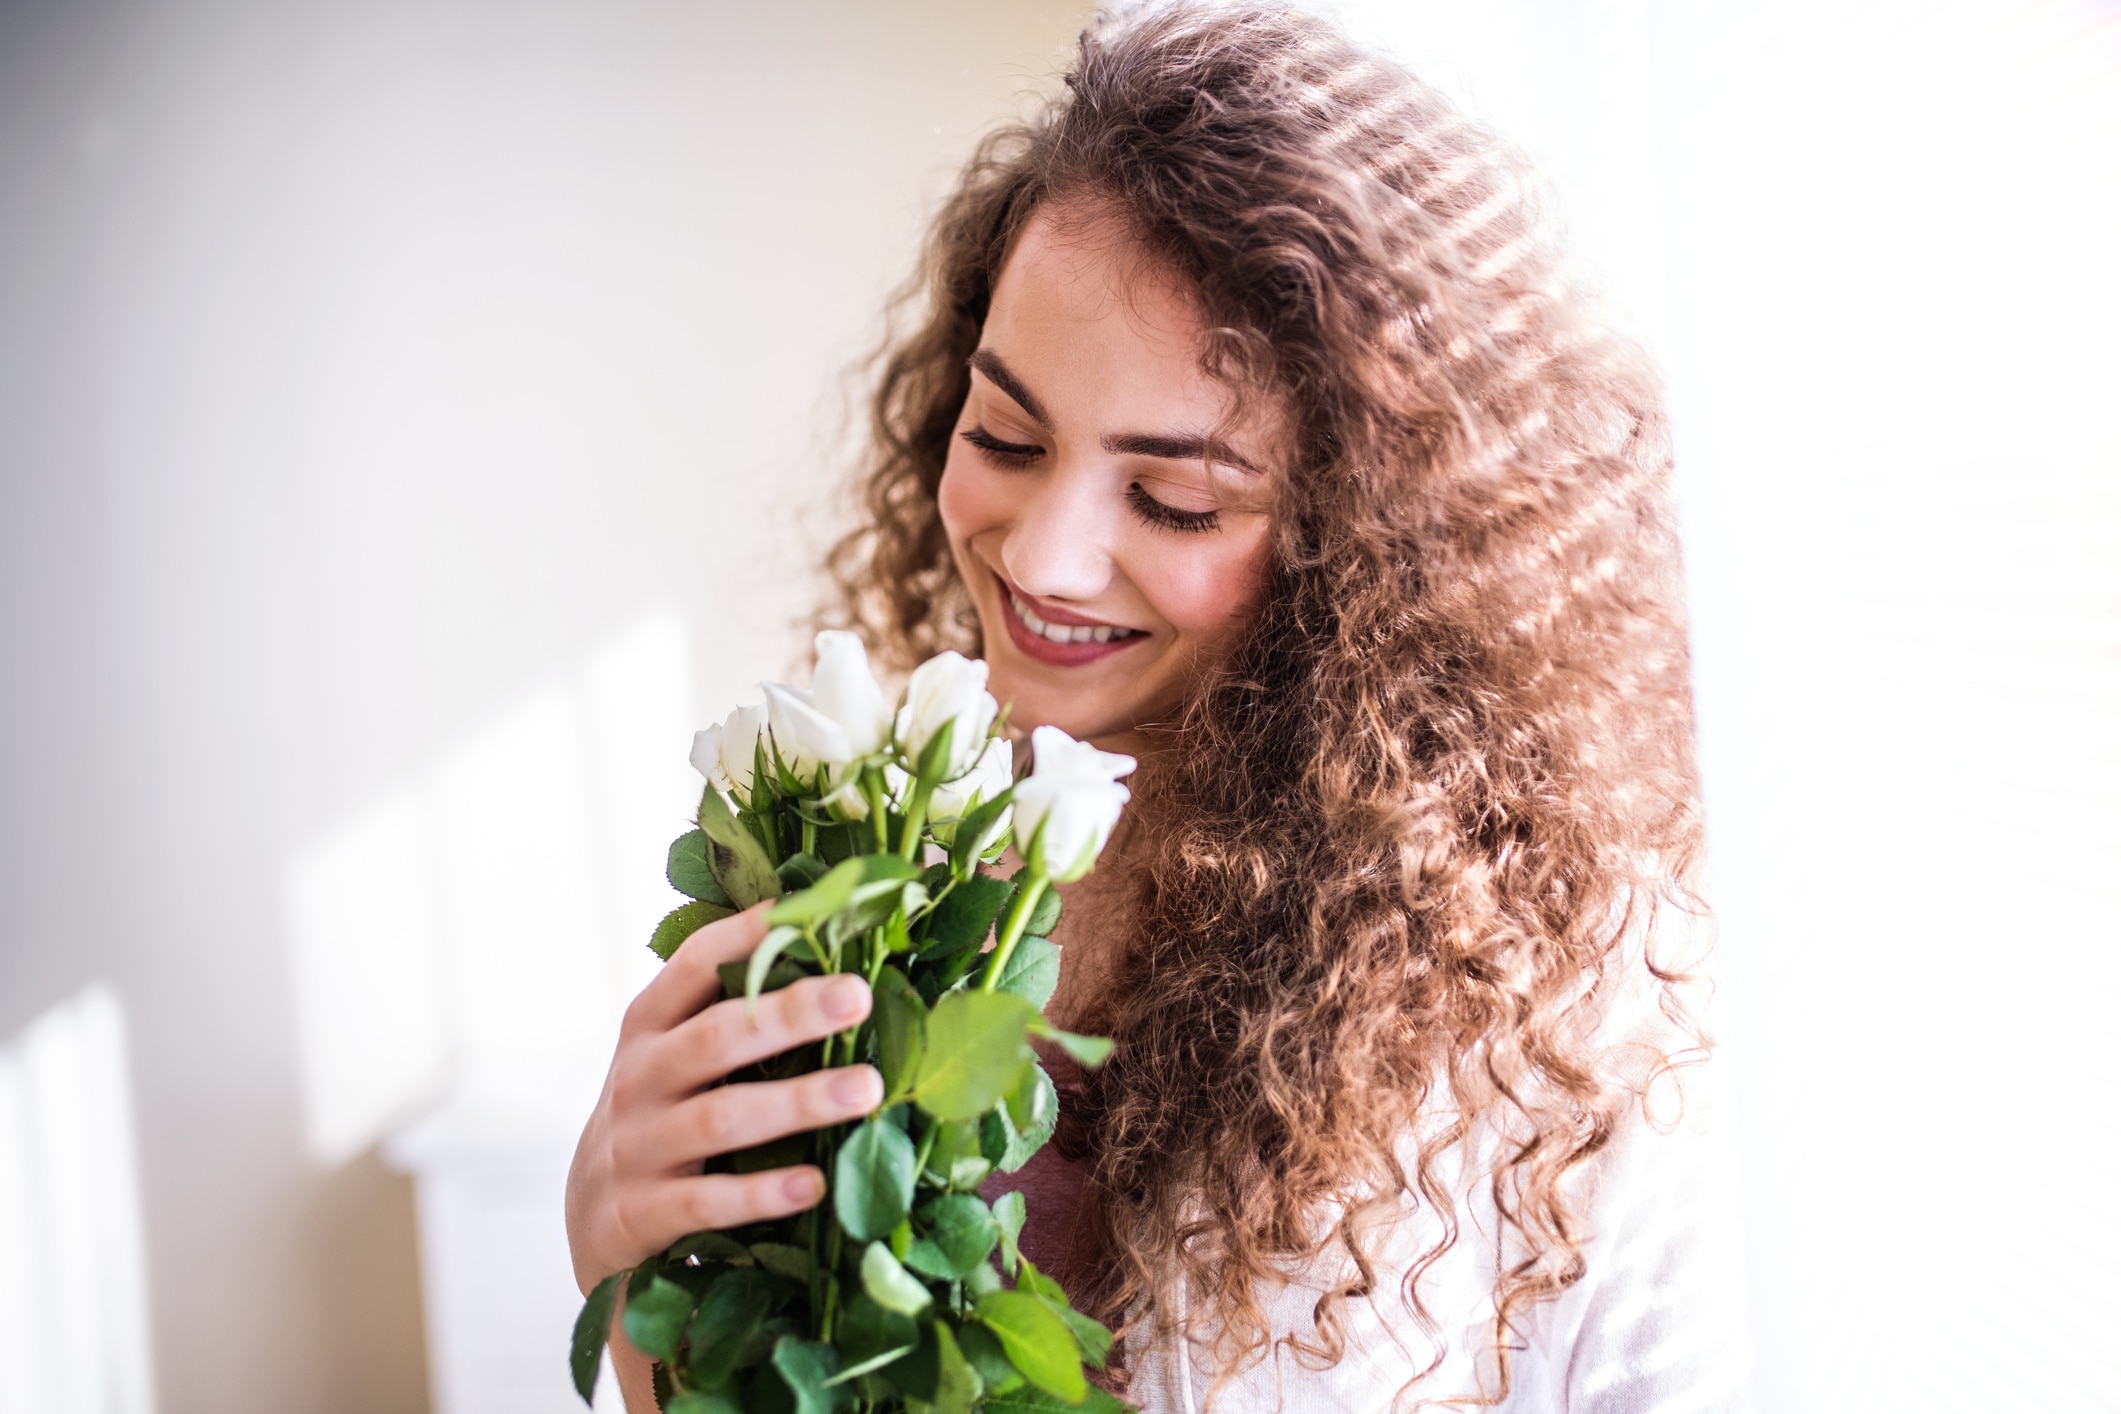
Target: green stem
(1012, 929)
(809, 836)
(873, 791)
(920, 1157)
(824, 1153)
(909, 847)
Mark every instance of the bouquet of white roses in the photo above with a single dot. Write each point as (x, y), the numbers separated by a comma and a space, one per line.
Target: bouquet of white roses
(903, 1289)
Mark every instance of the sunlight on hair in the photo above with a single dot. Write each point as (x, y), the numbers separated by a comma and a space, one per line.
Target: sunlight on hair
(73, 1266)
(1873, 246)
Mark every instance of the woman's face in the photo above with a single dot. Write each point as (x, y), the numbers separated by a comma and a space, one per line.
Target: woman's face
(1107, 513)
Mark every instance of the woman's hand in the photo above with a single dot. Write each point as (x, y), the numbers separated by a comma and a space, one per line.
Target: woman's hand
(635, 1186)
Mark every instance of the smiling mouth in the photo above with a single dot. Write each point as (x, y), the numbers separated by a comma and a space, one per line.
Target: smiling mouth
(1067, 633)
(1061, 645)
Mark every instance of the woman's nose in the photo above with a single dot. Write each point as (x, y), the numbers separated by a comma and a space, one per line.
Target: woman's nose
(1060, 546)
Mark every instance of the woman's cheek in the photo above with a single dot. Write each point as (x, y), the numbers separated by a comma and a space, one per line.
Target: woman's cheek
(1208, 589)
(968, 500)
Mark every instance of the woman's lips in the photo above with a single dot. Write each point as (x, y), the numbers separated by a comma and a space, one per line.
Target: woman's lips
(1084, 644)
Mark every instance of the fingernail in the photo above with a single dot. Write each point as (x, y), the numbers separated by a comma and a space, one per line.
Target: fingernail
(804, 1186)
(845, 998)
(854, 1087)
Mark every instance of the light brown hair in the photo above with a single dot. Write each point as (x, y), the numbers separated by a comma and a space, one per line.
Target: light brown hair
(1448, 768)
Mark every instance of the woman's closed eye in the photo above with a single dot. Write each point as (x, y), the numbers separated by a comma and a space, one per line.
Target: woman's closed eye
(995, 450)
(1170, 517)
(1016, 456)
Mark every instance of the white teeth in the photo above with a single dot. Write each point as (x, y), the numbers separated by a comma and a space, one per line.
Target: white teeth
(1066, 633)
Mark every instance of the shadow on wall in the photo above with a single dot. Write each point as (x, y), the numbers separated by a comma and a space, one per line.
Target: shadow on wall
(464, 945)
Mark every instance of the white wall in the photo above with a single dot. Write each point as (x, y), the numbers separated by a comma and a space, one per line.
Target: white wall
(369, 370)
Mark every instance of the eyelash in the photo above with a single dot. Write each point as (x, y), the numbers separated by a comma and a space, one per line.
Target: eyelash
(1155, 512)
(1170, 517)
(1001, 453)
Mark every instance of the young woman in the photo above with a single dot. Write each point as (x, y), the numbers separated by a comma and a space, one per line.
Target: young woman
(1250, 432)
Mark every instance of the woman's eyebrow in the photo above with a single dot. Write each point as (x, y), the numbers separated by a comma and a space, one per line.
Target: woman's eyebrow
(989, 362)
(1184, 448)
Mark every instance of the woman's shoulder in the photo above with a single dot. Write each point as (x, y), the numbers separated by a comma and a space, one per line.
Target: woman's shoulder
(1653, 1317)
(1653, 1321)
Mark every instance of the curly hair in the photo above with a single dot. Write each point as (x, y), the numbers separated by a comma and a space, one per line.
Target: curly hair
(1447, 771)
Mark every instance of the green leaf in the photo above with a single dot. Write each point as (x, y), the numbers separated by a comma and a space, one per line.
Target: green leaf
(766, 1392)
(689, 871)
(1028, 1400)
(1094, 1341)
(800, 871)
(776, 942)
(700, 1401)
(900, 1021)
(890, 1285)
(935, 756)
(975, 1052)
(837, 842)
(591, 1329)
(1045, 914)
(739, 860)
(872, 1364)
(878, 900)
(866, 1329)
(1019, 1127)
(1092, 1338)
(963, 918)
(1009, 1213)
(836, 889)
(915, 1375)
(961, 1234)
(985, 1354)
(709, 1246)
(896, 937)
(1034, 1103)
(807, 1366)
(735, 975)
(964, 844)
(955, 1159)
(872, 1184)
(1033, 970)
(681, 923)
(1038, 1342)
(1087, 1051)
(957, 1384)
(820, 900)
(734, 1305)
(655, 1319)
(783, 1260)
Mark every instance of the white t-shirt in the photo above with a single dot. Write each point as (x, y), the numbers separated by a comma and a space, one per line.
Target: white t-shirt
(1655, 1325)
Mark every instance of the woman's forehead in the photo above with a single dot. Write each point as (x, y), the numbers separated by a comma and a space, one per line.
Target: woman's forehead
(1102, 330)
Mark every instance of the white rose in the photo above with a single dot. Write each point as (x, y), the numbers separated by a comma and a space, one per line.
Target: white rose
(954, 800)
(947, 690)
(1067, 806)
(725, 753)
(839, 719)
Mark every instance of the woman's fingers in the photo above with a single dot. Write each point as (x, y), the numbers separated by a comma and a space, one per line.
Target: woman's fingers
(737, 1032)
(652, 1216)
(733, 1117)
(689, 981)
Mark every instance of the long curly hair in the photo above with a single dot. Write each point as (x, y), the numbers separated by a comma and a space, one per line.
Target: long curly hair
(1447, 771)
